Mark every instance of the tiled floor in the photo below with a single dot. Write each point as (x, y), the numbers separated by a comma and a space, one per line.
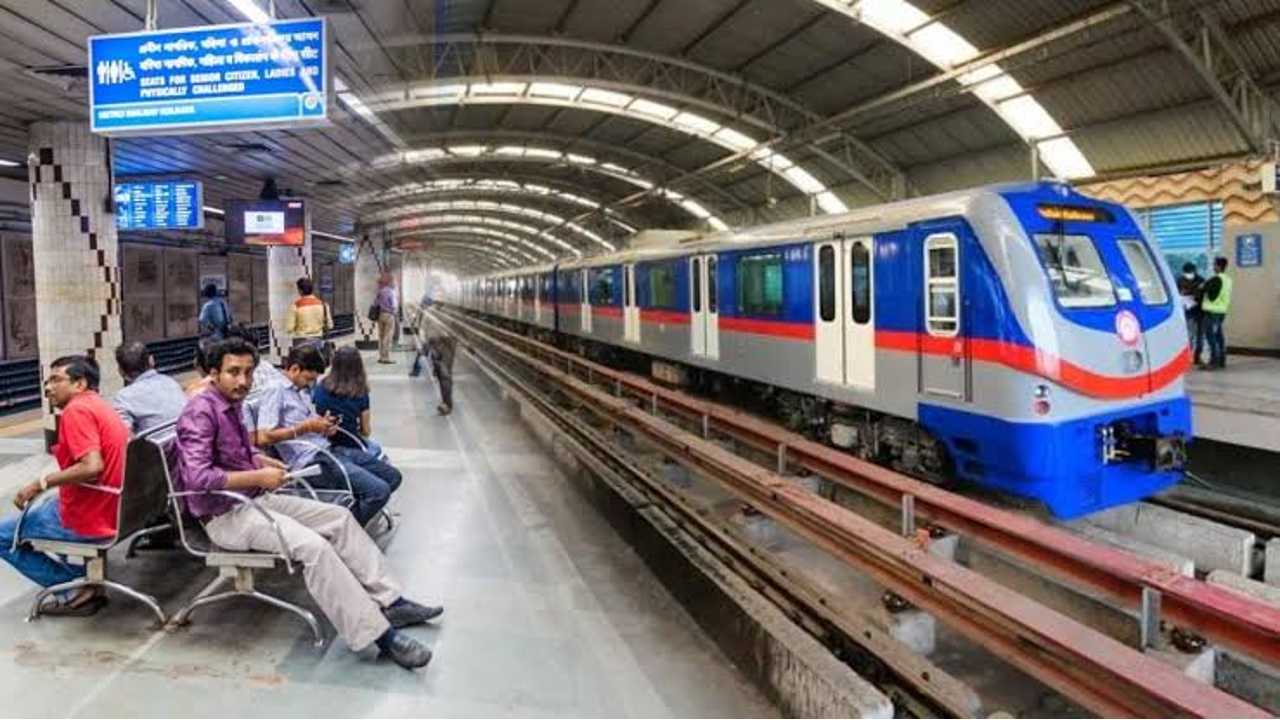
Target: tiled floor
(548, 611)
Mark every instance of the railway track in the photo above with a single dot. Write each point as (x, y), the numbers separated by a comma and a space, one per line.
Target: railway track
(1247, 511)
(1084, 665)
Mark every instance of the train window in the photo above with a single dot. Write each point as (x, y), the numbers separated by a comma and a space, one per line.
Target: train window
(662, 287)
(1150, 286)
(695, 269)
(712, 283)
(827, 283)
(602, 284)
(860, 284)
(942, 286)
(760, 284)
(1078, 277)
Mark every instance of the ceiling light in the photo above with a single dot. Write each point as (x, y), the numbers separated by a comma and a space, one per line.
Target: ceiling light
(468, 150)
(8, 163)
(1064, 159)
(696, 123)
(1028, 117)
(557, 91)
(605, 97)
(892, 17)
(501, 88)
(653, 109)
(941, 46)
(250, 10)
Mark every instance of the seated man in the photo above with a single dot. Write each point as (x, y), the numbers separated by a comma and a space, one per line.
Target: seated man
(344, 571)
(285, 413)
(90, 453)
(148, 399)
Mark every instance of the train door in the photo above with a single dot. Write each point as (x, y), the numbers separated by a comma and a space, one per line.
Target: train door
(630, 311)
(943, 350)
(585, 299)
(844, 325)
(704, 307)
(535, 289)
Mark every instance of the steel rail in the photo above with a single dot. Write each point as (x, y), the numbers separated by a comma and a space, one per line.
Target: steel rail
(1082, 663)
(1224, 617)
(914, 679)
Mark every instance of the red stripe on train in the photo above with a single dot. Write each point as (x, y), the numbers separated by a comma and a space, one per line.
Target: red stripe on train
(1035, 362)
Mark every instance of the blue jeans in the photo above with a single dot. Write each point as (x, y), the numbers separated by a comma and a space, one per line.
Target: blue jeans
(1213, 334)
(43, 522)
(372, 481)
(1195, 334)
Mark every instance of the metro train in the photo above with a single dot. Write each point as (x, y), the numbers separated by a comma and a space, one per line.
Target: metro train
(1024, 337)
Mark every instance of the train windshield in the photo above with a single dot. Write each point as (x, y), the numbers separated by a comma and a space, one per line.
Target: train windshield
(1076, 272)
(1150, 286)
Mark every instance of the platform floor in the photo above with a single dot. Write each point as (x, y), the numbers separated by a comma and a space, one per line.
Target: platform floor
(1239, 404)
(548, 612)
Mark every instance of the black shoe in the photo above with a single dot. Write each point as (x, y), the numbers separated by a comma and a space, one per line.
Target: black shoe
(407, 612)
(405, 651)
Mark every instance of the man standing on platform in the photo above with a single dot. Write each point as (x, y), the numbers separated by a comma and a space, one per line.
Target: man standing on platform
(386, 302)
(1215, 306)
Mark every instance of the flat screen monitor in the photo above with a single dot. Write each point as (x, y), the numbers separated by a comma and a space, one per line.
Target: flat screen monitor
(266, 222)
(176, 205)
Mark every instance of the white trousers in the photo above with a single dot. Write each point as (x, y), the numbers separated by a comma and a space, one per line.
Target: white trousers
(344, 570)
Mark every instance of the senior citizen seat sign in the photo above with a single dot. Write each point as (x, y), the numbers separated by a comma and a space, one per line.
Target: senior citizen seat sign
(209, 79)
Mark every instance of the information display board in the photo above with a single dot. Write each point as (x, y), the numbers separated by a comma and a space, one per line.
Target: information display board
(159, 206)
(212, 78)
(1249, 250)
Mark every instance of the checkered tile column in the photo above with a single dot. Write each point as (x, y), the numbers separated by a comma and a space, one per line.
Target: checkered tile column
(284, 266)
(369, 260)
(74, 249)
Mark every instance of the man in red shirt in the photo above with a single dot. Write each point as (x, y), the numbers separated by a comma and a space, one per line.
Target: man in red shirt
(90, 453)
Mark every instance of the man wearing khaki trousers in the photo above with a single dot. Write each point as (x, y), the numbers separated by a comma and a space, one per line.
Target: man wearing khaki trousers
(386, 303)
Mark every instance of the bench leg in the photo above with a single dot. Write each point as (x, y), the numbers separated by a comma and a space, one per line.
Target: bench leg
(46, 592)
(244, 587)
(143, 598)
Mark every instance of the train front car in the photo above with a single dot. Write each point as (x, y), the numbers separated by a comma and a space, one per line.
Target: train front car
(1078, 349)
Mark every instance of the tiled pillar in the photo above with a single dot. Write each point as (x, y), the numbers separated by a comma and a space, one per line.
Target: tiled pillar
(284, 266)
(77, 271)
(369, 264)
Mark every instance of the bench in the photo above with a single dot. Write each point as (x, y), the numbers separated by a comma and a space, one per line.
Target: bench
(235, 567)
(143, 496)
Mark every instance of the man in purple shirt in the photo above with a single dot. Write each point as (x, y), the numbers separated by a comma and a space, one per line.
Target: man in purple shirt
(386, 302)
(344, 571)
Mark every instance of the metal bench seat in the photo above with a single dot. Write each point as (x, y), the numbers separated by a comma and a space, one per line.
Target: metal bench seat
(142, 498)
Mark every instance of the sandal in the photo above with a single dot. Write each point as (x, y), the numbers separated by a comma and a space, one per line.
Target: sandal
(85, 609)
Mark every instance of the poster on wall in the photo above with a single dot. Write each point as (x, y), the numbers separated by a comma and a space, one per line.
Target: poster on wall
(143, 305)
(180, 293)
(20, 337)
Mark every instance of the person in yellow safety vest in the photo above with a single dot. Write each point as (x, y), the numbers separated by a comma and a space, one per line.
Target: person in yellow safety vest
(1215, 306)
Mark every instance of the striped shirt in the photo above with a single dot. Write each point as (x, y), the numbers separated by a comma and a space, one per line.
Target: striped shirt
(308, 317)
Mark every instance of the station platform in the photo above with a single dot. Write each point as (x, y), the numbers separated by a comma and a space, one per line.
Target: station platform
(547, 610)
(1239, 404)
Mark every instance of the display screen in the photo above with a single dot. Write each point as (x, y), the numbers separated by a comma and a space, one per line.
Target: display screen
(347, 254)
(266, 222)
(159, 206)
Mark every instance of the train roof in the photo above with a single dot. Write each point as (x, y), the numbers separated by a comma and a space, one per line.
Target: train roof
(871, 219)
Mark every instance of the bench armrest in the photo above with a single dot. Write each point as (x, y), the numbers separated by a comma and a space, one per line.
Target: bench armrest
(243, 499)
(17, 529)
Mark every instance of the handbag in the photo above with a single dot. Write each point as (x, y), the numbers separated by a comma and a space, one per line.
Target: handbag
(374, 312)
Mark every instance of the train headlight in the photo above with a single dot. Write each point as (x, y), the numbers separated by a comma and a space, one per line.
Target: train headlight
(1041, 405)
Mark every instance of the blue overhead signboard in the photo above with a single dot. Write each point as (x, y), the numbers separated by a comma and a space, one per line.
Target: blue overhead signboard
(159, 206)
(213, 78)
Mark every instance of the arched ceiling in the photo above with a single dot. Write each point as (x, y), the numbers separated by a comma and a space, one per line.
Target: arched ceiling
(606, 115)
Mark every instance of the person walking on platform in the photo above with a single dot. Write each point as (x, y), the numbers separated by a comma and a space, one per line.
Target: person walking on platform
(309, 319)
(215, 314)
(440, 347)
(1191, 288)
(343, 569)
(386, 302)
(90, 454)
(1215, 306)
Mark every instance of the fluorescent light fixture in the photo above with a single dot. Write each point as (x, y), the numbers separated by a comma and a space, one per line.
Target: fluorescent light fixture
(250, 10)
(941, 46)
(556, 91)
(440, 91)
(424, 155)
(891, 17)
(696, 123)
(717, 224)
(803, 181)
(1064, 159)
(500, 88)
(213, 210)
(605, 97)
(580, 159)
(1028, 117)
(468, 150)
(653, 109)
(734, 139)
(9, 163)
(1001, 88)
(510, 151)
(543, 153)
(829, 203)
